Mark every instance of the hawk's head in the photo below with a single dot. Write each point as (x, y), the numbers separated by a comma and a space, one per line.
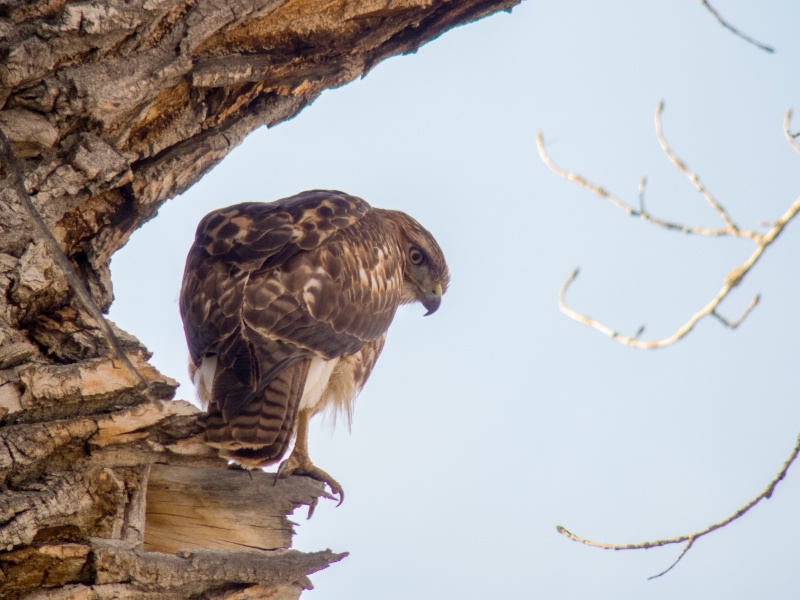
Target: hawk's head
(425, 274)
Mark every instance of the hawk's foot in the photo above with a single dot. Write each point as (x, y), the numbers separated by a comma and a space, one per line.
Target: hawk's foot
(300, 464)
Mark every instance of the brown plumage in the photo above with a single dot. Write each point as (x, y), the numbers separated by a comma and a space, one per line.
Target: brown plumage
(286, 306)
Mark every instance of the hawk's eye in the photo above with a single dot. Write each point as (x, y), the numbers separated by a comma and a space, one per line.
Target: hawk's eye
(416, 256)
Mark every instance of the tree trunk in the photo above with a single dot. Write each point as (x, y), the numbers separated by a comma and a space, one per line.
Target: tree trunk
(108, 109)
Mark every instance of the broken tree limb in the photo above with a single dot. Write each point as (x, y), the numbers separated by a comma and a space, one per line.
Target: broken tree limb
(232, 509)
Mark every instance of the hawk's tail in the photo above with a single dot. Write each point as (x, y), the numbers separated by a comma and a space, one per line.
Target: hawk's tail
(260, 433)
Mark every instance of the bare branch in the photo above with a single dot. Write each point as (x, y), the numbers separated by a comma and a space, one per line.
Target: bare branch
(735, 31)
(692, 537)
(732, 279)
(790, 137)
(639, 214)
(588, 321)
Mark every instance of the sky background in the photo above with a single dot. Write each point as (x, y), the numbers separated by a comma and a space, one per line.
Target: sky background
(486, 425)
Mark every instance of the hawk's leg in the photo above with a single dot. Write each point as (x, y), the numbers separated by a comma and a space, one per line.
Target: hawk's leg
(299, 462)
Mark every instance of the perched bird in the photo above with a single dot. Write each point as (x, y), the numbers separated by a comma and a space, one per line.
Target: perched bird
(285, 307)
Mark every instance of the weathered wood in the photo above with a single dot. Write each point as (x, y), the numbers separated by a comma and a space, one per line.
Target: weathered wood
(207, 508)
(190, 573)
(43, 567)
(116, 561)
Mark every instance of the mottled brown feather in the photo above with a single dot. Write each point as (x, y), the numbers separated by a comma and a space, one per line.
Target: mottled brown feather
(268, 287)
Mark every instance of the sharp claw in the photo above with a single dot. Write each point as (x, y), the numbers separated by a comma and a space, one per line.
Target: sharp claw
(311, 506)
(303, 466)
(281, 467)
(336, 490)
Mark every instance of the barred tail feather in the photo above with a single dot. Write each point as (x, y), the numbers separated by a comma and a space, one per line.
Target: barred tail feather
(260, 433)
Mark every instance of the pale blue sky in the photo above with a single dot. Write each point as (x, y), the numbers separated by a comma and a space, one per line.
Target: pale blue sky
(486, 425)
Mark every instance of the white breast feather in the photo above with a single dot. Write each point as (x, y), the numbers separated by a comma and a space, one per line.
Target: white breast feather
(319, 373)
(203, 379)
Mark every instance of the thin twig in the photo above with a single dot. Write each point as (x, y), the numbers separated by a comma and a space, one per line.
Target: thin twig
(642, 184)
(58, 256)
(790, 137)
(692, 537)
(732, 279)
(681, 166)
(734, 324)
(674, 564)
(639, 214)
(735, 31)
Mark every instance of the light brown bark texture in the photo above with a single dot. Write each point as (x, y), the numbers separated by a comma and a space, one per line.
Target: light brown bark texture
(111, 108)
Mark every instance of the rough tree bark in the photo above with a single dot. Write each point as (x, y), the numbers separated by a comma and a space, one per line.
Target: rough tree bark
(112, 108)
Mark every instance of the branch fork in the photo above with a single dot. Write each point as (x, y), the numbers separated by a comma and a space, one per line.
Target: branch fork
(729, 228)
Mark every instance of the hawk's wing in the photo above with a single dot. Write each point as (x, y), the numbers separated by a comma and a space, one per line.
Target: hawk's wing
(268, 286)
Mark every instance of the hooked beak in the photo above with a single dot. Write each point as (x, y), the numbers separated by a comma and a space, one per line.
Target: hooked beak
(432, 300)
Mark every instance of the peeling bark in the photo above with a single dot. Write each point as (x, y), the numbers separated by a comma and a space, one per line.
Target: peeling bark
(111, 109)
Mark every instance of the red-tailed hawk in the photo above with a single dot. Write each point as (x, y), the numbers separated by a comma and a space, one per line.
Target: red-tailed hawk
(286, 306)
